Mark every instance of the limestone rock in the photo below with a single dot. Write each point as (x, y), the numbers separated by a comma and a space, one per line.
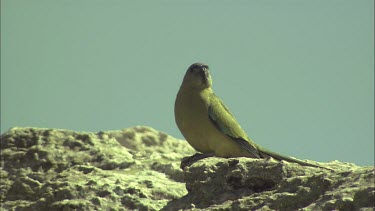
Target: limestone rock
(138, 169)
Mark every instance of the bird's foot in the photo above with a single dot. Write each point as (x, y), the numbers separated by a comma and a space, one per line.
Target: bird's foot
(187, 161)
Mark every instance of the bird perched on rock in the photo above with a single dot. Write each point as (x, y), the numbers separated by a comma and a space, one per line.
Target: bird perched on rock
(207, 123)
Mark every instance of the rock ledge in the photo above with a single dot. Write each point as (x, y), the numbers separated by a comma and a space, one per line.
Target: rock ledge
(138, 168)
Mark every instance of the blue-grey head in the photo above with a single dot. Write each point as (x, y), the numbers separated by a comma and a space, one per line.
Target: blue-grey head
(198, 76)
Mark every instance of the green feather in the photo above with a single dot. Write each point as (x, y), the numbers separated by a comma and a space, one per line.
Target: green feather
(225, 122)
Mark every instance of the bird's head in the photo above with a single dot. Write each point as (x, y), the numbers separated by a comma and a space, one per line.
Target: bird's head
(198, 76)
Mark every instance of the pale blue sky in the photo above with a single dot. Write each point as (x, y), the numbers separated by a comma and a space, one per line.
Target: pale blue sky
(297, 74)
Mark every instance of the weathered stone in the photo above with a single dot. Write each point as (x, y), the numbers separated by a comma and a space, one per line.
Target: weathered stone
(50, 169)
(254, 184)
(139, 169)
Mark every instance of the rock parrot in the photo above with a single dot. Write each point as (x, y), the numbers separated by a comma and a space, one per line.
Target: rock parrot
(208, 125)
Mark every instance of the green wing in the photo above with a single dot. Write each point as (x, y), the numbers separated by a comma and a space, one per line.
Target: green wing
(224, 121)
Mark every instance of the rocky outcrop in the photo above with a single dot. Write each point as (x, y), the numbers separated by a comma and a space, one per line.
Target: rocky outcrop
(254, 184)
(48, 169)
(138, 169)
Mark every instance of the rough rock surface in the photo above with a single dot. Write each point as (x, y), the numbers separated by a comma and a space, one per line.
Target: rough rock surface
(49, 169)
(138, 169)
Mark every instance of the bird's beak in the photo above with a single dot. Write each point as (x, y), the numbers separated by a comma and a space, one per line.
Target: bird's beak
(205, 74)
(205, 70)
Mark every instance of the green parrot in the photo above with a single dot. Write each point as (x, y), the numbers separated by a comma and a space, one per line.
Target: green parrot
(208, 125)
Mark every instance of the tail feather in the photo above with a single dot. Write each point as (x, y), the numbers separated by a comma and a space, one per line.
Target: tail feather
(264, 153)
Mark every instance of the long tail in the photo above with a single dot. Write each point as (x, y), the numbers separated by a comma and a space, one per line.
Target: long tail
(265, 153)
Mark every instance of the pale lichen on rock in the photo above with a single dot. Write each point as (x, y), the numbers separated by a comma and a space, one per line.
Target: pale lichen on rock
(139, 169)
(51, 169)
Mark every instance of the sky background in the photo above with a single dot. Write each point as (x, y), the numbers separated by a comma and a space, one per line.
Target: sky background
(297, 74)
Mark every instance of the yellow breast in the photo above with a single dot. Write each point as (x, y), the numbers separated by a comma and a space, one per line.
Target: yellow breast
(191, 116)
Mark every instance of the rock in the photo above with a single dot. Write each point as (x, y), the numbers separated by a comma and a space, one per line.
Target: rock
(138, 169)
(256, 184)
(50, 169)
